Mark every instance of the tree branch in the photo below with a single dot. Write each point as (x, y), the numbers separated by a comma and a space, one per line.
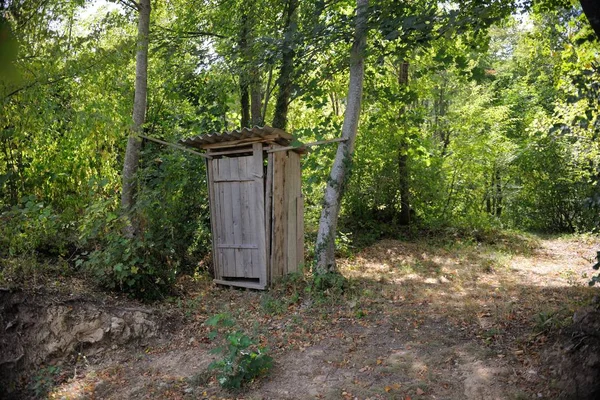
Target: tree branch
(194, 33)
(131, 4)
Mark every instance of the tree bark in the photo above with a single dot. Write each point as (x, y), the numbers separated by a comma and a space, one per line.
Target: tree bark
(245, 104)
(284, 81)
(132, 153)
(244, 72)
(325, 246)
(255, 99)
(498, 196)
(403, 173)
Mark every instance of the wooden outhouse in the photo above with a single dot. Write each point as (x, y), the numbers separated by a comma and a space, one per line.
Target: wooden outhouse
(256, 204)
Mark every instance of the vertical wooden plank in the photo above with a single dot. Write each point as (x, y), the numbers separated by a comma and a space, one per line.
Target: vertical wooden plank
(299, 216)
(259, 209)
(213, 216)
(251, 255)
(290, 244)
(236, 213)
(279, 211)
(245, 226)
(220, 225)
(268, 213)
(229, 261)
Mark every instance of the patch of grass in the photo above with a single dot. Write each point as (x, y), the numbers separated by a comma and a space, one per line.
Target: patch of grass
(271, 305)
(552, 320)
(27, 271)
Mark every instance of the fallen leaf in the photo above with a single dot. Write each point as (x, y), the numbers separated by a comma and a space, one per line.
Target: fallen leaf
(420, 391)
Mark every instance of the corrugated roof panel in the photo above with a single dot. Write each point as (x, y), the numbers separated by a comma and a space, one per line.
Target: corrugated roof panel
(278, 136)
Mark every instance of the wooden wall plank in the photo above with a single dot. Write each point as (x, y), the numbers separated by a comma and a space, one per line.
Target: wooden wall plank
(299, 214)
(268, 213)
(245, 226)
(213, 216)
(278, 216)
(294, 186)
(237, 215)
(229, 254)
(259, 210)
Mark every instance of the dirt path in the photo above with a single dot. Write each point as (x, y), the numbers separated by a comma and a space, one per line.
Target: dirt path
(420, 320)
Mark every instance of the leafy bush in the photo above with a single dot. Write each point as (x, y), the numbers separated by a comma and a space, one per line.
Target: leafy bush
(242, 358)
(173, 219)
(32, 226)
(138, 267)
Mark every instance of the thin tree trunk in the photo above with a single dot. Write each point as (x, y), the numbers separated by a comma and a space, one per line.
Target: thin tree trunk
(255, 99)
(498, 195)
(244, 103)
(268, 90)
(488, 196)
(403, 173)
(284, 82)
(244, 73)
(325, 246)
(132, 154)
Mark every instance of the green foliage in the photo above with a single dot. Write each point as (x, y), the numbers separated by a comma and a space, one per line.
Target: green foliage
(498, 127)
(44, 380)
(174, 234)
(242, 358)
(133, 266)
(31, 227)
(332, 283)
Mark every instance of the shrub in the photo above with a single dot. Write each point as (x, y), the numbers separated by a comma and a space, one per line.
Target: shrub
(242, 358)
(30, 227)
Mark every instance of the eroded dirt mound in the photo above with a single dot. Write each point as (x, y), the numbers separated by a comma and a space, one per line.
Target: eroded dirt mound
(579, 357)
(36, 329)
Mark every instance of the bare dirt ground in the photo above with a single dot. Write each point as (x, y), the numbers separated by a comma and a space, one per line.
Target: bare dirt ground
(424, 319)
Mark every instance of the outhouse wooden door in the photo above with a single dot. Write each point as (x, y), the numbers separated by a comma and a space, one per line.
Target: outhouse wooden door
(238, 219)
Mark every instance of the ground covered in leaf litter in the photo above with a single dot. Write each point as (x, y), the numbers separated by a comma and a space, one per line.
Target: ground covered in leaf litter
(424, 319)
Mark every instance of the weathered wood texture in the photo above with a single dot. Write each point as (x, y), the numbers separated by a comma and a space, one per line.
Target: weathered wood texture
(257, 210)
(237, 213)
(287, 232)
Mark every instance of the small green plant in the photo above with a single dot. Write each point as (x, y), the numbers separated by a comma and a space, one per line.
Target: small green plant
(547, 321)
(329, 286)
(44, 380)
(242, 358)
(271, 305)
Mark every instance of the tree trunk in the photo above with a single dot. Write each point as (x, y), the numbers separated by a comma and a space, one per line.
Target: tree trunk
(132, 154)
(255, 99)
(244, 103)
(498, 196)
(403, 173)
(325, 246)
(244, 73)
(284, 82)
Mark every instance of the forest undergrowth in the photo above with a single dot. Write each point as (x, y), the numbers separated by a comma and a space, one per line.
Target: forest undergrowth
(425, 318)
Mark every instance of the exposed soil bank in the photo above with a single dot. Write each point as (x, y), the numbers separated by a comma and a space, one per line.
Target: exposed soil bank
(38, 329)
